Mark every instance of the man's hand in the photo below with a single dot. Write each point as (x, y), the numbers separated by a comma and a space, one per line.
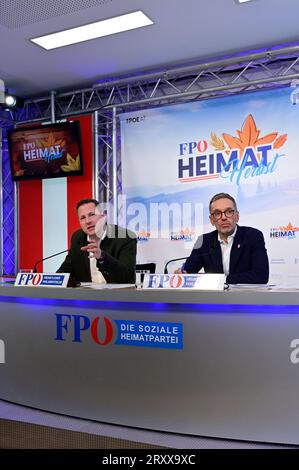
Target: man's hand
(179, 271)
(93, 248)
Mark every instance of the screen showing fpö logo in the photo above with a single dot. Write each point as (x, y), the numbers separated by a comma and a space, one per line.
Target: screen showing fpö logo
(2, 352)
(104, 331)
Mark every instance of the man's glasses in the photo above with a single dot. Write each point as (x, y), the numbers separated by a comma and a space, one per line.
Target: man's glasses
(228, 213)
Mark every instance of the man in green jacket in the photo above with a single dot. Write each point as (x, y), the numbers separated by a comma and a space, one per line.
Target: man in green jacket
(100, 252)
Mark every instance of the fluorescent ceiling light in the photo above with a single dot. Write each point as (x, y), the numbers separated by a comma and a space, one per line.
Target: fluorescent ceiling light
(243, 1)
(99, 29)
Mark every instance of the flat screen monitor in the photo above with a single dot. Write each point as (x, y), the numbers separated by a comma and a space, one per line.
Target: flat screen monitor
(47, 151)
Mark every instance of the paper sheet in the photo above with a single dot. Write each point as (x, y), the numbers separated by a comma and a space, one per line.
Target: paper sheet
(94, 285)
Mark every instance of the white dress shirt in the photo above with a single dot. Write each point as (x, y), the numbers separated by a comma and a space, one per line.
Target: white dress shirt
(96, 275)
(226, 248)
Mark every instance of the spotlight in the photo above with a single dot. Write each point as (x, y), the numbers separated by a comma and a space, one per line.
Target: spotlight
(10, 101)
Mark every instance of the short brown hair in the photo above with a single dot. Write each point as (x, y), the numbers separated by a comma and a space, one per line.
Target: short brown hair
(86, 201)
(222, 196)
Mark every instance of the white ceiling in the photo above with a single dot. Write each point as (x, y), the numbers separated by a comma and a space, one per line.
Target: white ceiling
(184, 31)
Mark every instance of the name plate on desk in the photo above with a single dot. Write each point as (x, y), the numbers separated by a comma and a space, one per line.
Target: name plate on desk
(184, 281)
(42, 279)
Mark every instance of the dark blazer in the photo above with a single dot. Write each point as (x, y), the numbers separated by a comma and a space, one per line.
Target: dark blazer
(248, 258)
(119, 257)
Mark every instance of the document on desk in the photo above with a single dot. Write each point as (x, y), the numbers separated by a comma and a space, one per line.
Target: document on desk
(95, 285)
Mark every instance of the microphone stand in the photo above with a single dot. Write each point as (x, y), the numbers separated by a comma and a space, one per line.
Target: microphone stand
(48, 257)
(211, 249)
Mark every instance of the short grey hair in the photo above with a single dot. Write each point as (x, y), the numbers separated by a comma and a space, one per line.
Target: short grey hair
(222, 196)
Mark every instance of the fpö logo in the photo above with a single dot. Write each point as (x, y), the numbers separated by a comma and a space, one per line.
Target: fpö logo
(286, 233)
(48, 149)
(185, 234)
(104, 331)
(170, 281)
(235, 158)
(29, 279)
(41, 279)
(74, 326)
(143, 236)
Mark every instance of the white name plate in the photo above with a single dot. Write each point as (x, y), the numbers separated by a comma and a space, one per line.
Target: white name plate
(184, 281)
(42, 279)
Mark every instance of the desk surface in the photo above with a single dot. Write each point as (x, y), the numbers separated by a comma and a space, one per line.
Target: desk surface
(172, 296)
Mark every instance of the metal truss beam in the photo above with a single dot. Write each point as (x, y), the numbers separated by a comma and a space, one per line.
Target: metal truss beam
(273, 68)
(109, 157)
(268, 69)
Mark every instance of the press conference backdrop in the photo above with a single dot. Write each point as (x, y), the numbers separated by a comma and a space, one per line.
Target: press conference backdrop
(176, 157)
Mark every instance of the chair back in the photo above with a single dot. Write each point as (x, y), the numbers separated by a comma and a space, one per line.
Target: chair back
(142, 269)
(146, 268)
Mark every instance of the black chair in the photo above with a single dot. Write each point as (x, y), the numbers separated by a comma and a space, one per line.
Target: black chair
(144, 269)
(148, 267)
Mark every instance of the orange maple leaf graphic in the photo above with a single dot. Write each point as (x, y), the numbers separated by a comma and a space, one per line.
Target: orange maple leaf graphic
(249, 136)
(280, 141)
(289, 227)
(51, 142)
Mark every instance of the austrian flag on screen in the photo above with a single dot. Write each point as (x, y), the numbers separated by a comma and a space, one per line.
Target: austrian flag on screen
(46, 151)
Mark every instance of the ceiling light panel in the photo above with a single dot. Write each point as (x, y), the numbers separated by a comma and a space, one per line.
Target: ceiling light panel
(99, 29)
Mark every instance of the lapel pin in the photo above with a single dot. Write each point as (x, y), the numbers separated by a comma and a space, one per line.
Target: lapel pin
(239, 246)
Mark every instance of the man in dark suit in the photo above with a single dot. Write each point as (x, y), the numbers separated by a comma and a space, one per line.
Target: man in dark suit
(100, 252)
(238, 252)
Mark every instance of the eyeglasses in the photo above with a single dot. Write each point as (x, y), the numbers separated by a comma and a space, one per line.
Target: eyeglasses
(228, 213)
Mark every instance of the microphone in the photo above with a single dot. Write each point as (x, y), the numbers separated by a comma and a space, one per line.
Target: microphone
(48, 257)
(212, 248)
